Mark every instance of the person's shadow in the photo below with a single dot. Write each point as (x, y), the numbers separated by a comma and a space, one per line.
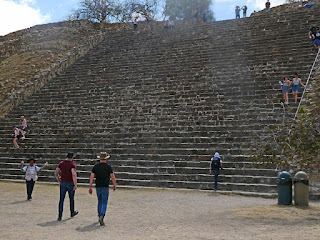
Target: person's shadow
(19, 202)
(91, 227)
(52, 223)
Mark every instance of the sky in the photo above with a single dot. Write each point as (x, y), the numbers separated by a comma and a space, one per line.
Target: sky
(19, 14)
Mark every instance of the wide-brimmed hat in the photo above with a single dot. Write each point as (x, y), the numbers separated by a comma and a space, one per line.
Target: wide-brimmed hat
(70, 155)
(31, 160)
(103, 156)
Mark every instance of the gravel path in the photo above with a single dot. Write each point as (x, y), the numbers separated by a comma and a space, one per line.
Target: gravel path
(152, 214)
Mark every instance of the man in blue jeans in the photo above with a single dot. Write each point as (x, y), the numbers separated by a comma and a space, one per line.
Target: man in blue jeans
(102, 172)
(215, 166)
(67, 177)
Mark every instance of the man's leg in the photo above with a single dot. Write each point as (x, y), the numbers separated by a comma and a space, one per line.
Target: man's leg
(98, 190)
(63, 191)
(216, 175)
(28, 190)
(31, 187)
(104, 200)
(71, 198)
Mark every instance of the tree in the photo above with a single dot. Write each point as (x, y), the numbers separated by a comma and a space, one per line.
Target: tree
(182, 9)
(114, 10)
(295, 143)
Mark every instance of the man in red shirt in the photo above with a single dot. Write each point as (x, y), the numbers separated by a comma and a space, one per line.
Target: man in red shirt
(67, 177)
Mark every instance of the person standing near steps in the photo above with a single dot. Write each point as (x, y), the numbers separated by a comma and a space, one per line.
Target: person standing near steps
(102, 172)
(215, 166)
(67, 177)
(31, 176)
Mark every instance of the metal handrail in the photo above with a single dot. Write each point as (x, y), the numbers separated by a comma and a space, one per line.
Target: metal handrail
(305, 88)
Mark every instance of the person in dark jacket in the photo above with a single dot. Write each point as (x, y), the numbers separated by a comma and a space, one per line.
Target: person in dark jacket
(215, 166)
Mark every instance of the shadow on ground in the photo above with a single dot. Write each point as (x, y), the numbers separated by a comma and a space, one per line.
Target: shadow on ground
(91, 227)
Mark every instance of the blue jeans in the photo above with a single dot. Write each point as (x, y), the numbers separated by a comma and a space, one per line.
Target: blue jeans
(30, 185)
(216, 172)
(64, 188)
(103, 195)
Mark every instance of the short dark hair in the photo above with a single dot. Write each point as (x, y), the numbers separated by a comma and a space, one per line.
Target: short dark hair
(296, 74)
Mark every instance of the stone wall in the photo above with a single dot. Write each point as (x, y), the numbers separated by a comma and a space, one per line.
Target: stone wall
(42, 37)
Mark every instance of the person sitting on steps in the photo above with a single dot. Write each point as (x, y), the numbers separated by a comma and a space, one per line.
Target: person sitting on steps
(316, 39)
(23, 127)
(313, 31)
(16, 135)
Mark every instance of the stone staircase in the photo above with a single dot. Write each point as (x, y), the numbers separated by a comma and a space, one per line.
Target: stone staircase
(162, 102)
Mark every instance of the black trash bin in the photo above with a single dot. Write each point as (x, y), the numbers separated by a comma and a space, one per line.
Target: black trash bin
(284, 183)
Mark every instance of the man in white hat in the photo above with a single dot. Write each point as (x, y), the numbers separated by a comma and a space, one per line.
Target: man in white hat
(102, 172)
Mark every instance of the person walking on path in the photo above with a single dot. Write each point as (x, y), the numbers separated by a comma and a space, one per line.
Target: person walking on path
(295, 88)
(102, 173)
(244, 11)
(285, 89)
(23, 127)
(215, 166)
(268, 4)
(67, 178)
(31, 176)
(237, 11)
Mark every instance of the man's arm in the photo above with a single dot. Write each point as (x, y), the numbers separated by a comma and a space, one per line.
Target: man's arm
(74, 178)
(57, 174)
(91, 182)
(113, 178)
(210, 167)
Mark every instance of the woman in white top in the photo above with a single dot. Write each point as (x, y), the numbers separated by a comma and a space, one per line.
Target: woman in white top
(295, 88)
(31, 175)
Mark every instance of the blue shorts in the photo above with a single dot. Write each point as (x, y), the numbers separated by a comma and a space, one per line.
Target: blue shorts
(316, 42)
(267, 9)
(295, 88)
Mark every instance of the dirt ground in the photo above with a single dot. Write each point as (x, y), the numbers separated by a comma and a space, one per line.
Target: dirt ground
(152, 214)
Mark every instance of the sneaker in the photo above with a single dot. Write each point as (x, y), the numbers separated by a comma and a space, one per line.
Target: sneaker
(59, 219)
(23, 138)
(29, 199)
(101, 220)
(74, 213)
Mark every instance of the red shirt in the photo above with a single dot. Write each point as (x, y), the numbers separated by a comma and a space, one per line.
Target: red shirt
(65, 167)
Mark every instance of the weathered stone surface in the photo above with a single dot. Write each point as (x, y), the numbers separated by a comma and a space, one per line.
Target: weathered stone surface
(162, 102)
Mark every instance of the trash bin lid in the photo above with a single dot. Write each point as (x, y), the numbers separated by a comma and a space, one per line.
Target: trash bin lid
(285, 176)
(301, 176)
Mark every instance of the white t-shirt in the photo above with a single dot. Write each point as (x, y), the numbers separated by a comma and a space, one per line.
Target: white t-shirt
(31, 170)
(296, 81)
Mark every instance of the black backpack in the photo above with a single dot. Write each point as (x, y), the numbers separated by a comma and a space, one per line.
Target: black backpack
(215, 163)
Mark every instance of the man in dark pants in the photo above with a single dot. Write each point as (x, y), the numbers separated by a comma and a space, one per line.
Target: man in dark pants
(102, 172)
(215, 166)
(31, 176)
(67, 177)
